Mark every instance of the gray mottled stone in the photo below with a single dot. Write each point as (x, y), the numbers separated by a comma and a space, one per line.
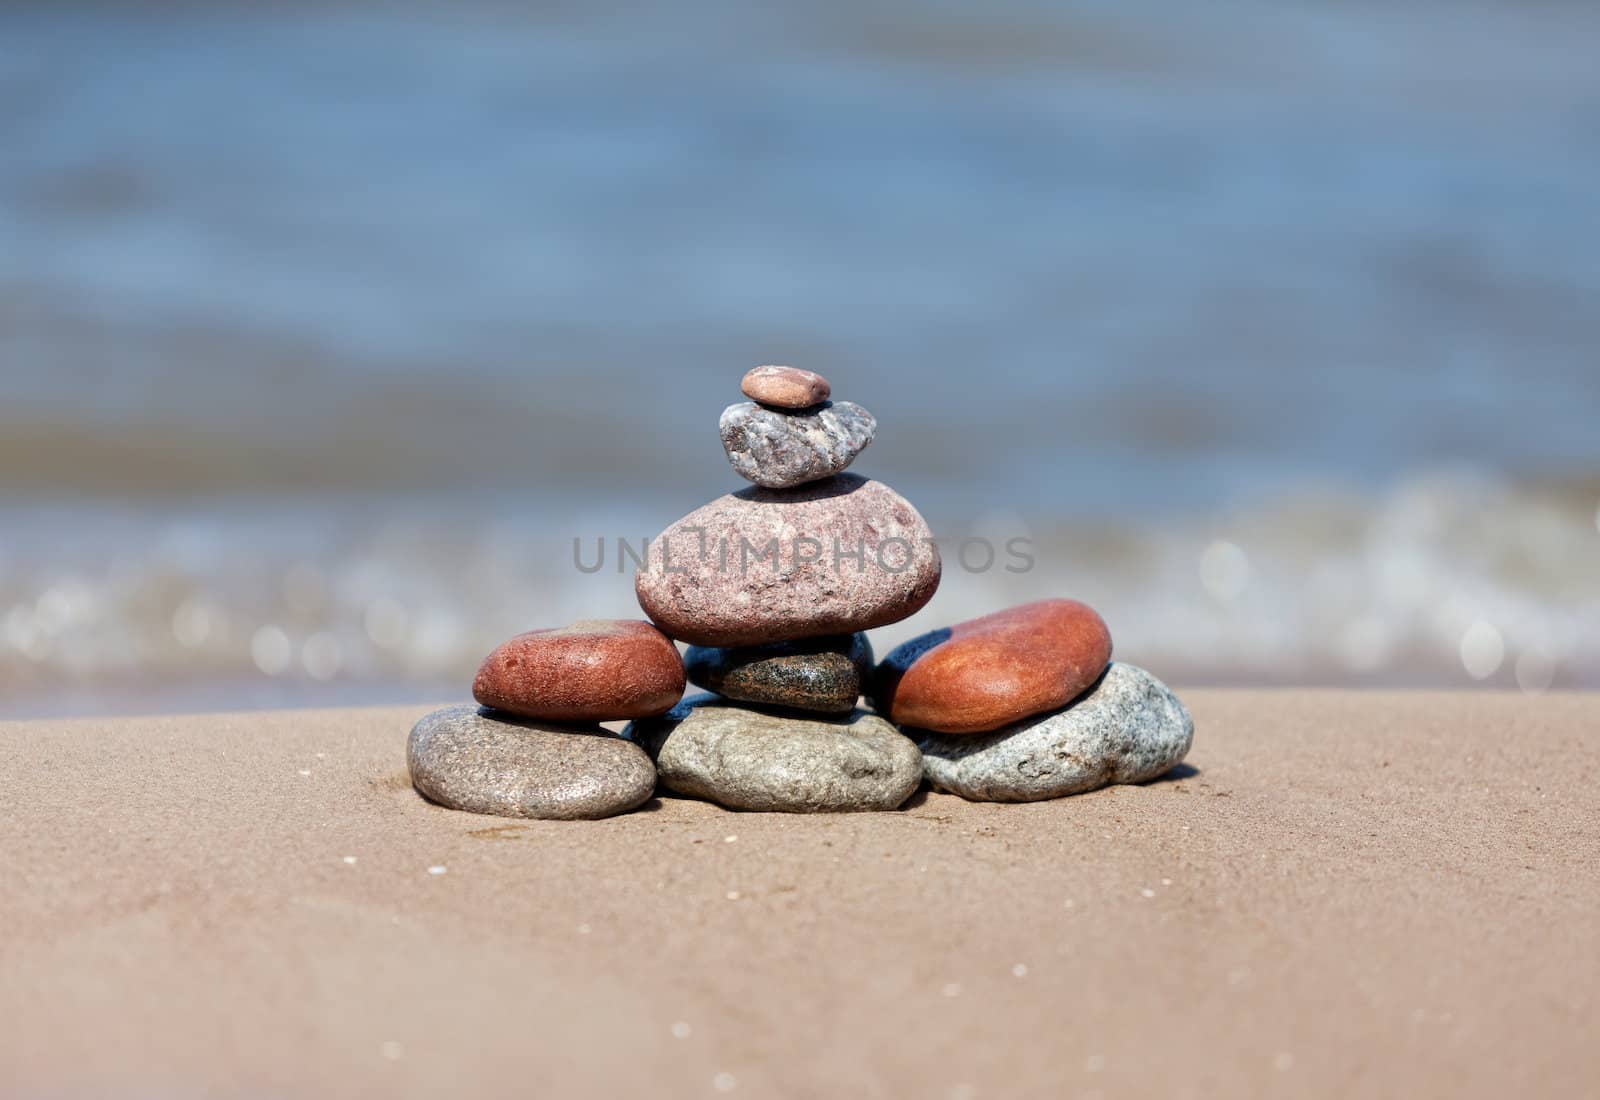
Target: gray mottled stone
(489, 763)
(779, 449)
(818, 674)
(1128, 728)
(752, 760)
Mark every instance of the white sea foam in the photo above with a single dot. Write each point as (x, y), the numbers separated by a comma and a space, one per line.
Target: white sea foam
(1442, 580)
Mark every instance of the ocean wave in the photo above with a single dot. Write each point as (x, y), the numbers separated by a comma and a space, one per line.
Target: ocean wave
(1448, 579)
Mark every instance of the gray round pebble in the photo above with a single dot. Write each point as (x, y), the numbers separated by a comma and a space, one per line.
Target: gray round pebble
(777, 449)
(1128, 728)
(748, 759)
(491, 763)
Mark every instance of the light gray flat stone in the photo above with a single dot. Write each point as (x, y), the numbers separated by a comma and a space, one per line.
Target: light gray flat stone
(466, 759)
(1128, 728)
(778, 449)
(747, 759)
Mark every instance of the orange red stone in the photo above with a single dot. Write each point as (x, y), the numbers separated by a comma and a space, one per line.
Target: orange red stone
(597, 670)
(989, 672)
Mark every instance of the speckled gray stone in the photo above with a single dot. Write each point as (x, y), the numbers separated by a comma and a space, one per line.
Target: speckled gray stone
(818, 674)
(751, 760)
(1128, 728)
(779, 449)
(492, 763)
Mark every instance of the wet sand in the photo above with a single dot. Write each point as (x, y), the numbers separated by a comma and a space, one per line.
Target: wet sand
(1344, 894)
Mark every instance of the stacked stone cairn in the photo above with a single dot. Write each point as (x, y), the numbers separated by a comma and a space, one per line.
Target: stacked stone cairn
(772, 589)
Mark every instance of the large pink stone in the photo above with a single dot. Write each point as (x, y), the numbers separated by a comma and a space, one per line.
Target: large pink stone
(763, 565)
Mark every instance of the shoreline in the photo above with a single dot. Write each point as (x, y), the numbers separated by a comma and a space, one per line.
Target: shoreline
(259, 697)
(1339, 892)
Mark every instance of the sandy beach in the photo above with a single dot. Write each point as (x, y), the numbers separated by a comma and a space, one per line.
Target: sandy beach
(1340, 894)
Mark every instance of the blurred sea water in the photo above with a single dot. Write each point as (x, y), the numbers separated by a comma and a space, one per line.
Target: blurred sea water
(325, 329)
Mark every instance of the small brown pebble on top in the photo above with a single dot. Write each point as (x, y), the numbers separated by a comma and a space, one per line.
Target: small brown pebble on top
(785, 387)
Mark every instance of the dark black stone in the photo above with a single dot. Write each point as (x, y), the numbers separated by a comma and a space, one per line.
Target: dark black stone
(817, 674)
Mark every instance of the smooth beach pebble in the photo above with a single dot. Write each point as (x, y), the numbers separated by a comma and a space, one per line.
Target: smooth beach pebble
(988, 672)
(598, 670)
(819, 674)
(779, 449)
(465, 759)
(785, 387)
(761, 566)
(753, 760)
(1130, 728)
